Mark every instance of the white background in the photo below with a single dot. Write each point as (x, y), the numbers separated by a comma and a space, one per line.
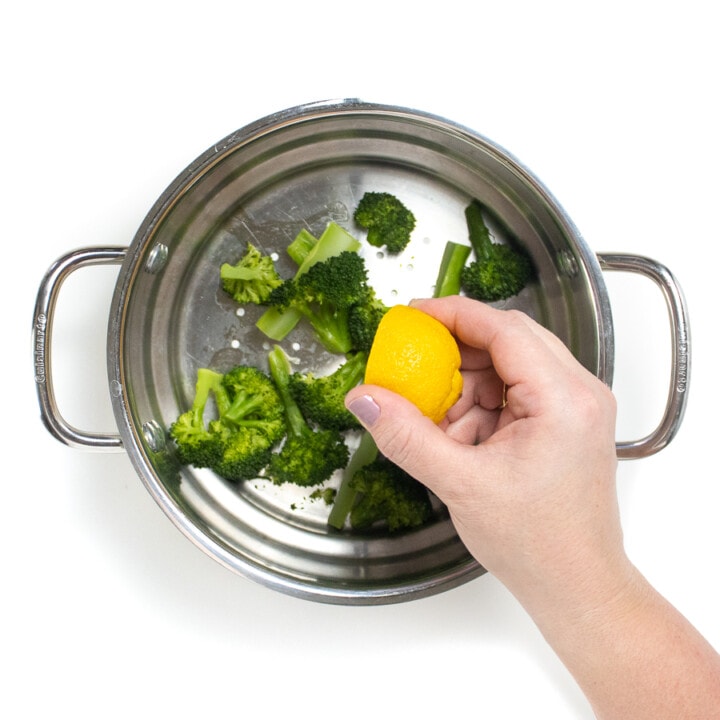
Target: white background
(107, 610)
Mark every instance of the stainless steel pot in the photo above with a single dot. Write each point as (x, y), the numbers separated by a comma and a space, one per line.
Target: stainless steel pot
(300, 168)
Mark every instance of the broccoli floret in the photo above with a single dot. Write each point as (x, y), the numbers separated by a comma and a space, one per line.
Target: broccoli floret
(252, 278)
(245, 451)
(387, 221)
(363, 320)
(276, 322)
(321, 398)
(251, 400)
(250, 421)
(309, 460)
(324, 294)
(498, 271)
(308, 457)
(196, 445)
(374, 491)
(387, 494)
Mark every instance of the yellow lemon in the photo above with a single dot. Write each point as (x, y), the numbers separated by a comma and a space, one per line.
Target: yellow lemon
(416, 356)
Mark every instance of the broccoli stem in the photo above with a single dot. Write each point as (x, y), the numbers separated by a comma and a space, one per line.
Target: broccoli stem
(477, 229)
(235, 272)
(352, 371)
(207, 381)
(333, 241)
(365, 453)
(276, 324)
(453, 261)
(301, 246)
(331, 329)
(243, 405)
(280, 372)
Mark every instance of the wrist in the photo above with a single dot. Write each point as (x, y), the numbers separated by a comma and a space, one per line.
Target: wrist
(582, 597)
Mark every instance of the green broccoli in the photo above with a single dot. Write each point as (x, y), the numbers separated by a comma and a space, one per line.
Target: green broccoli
(324, 294)
(327, 495)
(308, 457)
(387, 221)
(387, 494)
(276, 322)
(195, 444)
(321, 398)
(250, 421)
(374, 490)
(453, 261)
(498, 271)
(363, 320)
(252, 278)
(245, 452)
(365, 453)
(301, 246)
(250, 399)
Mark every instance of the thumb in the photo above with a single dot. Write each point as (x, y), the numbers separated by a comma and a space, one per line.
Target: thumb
(402, 433)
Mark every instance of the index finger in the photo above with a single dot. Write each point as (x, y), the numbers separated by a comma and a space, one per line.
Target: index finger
(519, 348)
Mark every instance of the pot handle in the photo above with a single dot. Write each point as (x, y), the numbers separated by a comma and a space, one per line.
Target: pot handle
(680, 340)
(41, 344)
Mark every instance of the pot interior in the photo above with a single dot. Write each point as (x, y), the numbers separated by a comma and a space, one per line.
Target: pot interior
(300, 169)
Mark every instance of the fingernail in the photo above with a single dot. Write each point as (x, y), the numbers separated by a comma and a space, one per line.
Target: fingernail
(365, 409)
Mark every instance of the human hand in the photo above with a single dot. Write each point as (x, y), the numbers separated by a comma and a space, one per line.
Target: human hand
(530, 486)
